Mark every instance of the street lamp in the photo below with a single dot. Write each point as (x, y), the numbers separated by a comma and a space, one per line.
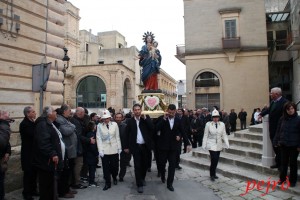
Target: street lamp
(66, 58)
(64, 70)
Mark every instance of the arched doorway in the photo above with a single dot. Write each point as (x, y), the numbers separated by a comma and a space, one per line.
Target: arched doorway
(91, 93)
(208, 83)
(126, 93)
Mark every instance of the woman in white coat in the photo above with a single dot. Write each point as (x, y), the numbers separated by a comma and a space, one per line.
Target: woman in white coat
(109, 147)
(214, 132)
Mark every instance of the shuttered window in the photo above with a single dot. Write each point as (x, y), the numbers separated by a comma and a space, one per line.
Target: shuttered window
(230, 28)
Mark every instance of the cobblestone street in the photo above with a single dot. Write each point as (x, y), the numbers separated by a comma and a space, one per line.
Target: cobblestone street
(190, 184)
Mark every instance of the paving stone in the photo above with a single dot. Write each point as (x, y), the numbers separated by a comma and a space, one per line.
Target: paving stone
(228, 189)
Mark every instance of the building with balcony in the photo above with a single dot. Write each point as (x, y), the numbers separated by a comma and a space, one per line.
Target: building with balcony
(168, 86)
(225, 54)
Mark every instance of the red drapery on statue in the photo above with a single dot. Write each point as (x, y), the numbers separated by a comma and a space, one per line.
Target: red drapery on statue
(151, 82)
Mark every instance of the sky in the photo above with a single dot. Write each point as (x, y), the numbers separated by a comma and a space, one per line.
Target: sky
(132, 18)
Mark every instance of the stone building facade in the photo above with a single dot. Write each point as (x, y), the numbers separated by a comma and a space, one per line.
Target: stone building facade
(32, 33)
(226, 58)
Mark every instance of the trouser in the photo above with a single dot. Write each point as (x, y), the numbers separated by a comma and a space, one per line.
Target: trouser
(110, 166)
(170, 156)
(84, 167)
(277, 153)
(233, 127)
(29, 182)
(92, 172)
(243, 124)
(194, 140)
(46, 184)
(140, 159)
(76, 172)
(2, 191)
(124, 161)
(289, 156)
(178, 152)
(63, 182)
(200, 139)
(214, 159)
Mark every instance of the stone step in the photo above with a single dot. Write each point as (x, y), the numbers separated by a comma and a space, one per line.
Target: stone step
(242, 142)
(256, 128)
(235, 171)
(244, 151)
(237, 160)
(247, 152)
(249, 135)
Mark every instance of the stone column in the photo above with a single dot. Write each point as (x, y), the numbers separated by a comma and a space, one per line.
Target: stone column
(268, 153)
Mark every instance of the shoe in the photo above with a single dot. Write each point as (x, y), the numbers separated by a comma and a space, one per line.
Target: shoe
(140, 189)
(292, 184)
(149, 170)
(178, 167)
(84, 179)
(215, 177)
(67, 196)
(73, 192)
(36, 194)
(144, 182)
(158, 174)
(28, 198)
(163, 179)
(212, 178)
(106, 187)
(274, 166)
(121, 179)
(115, 182)
(79, 186)
(98, 166)
(170, 187)
(93, 185)
(129, 165)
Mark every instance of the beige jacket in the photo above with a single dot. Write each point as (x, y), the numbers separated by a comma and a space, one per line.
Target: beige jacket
(108, 140)
(212, 139)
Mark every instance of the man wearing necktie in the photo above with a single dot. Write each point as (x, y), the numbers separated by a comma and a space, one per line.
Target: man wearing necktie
(138, 141)
(275, 111)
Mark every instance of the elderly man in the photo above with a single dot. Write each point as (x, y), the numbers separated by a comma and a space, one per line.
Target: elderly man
(5, 150)
(27, 127)
(49, 153)
(275, 111)
(79, 121)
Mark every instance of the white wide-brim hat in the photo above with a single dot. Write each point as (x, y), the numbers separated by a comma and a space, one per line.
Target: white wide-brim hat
(105, 114)
(215, 113)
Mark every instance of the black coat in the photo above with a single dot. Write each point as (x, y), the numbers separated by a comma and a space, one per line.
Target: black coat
(122, 131)
(91, 151)
(47, 145)
(288, 132)
(82, 140)
(27, 128)
(167, 137)
(232, 118)
(275, 111)
(147, 129)
(4, 138)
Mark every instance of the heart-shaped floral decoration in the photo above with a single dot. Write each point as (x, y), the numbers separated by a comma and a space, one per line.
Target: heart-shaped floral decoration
(151, 102)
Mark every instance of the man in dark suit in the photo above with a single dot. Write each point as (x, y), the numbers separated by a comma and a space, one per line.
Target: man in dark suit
(138, 142)
(275, 111)
(27, 127)
(170, 133)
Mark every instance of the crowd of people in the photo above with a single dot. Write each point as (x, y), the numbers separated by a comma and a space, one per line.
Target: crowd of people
(60, 150)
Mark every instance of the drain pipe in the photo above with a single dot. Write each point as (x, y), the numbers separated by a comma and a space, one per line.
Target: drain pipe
(268, 153)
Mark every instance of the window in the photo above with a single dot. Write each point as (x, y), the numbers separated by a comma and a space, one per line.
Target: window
(230, 28)
(230, 20)
(86, 47)
(207, 79)
(207, 100)
(89, 92)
